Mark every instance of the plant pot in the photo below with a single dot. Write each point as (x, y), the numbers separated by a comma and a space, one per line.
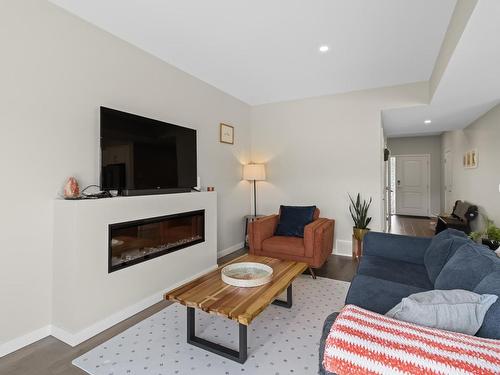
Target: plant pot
(359, 233)
(492, 244)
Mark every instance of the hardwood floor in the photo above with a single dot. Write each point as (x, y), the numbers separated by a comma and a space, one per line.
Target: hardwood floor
(413, 226)
(50, 356)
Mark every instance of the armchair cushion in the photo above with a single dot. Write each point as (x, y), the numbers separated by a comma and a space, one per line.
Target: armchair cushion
(293, 219)
(261, 229)
(284, 245)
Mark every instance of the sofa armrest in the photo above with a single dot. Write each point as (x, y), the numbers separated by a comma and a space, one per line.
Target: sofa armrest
(260, 230)
(327, 325)
(393, 246)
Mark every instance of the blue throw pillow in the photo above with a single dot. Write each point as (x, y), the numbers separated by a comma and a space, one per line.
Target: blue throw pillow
(293, 219)
(491, 324)
(443, 246)
(470, 264)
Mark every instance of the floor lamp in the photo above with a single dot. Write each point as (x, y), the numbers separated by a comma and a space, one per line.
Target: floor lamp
(254, 172)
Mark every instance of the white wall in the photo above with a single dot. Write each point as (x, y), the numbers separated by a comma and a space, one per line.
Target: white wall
(56, 71)
(423, 145)
(87, 299)
(319, 149)
(479, 185)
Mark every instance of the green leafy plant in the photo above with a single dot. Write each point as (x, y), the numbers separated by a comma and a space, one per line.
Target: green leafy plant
(359, 212)
(492, 231)
(476, 236)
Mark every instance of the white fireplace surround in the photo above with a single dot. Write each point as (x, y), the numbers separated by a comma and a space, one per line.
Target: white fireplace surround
(86, 298)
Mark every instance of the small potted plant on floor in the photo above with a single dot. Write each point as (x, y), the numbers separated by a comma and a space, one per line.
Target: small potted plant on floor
(359, 214)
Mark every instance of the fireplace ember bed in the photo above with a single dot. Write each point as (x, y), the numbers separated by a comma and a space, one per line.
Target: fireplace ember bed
(136, 241)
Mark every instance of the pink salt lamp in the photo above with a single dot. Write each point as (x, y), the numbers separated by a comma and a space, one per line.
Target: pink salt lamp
(71, 189)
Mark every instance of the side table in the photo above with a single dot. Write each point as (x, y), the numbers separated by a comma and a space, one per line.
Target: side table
(249, 219)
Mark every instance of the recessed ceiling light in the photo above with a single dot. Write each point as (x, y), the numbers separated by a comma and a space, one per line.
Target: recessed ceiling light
(323, 48)
(427, 122)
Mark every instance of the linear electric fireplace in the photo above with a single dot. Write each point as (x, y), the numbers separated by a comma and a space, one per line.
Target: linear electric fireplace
(137, 241)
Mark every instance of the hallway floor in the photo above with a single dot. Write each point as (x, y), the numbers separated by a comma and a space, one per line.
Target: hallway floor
(413, 226)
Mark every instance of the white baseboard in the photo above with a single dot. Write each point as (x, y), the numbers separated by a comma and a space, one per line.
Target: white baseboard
(230, 249)
(22, 341)
(343, 248)
(74, 339)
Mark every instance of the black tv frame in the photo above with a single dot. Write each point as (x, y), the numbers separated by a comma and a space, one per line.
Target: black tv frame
(138, 192)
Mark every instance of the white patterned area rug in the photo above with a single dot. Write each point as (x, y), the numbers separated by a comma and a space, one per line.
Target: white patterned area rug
(280, 340)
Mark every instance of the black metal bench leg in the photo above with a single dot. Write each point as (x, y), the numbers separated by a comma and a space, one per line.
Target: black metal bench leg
(289, 300)
(239, 356)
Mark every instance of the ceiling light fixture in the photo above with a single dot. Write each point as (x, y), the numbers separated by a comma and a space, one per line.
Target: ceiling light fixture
(323, 49)
(427, 122)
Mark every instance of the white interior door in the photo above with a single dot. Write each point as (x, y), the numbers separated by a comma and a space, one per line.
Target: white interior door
(413, 185)
(448, 181)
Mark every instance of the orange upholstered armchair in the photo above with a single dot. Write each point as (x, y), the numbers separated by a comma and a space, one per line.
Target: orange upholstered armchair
(313, 249)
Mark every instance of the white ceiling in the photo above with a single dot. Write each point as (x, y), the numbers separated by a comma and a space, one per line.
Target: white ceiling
(264, 51)
(470, 85)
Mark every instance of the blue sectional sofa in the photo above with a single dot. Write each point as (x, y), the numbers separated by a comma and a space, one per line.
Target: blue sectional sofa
(395, 266)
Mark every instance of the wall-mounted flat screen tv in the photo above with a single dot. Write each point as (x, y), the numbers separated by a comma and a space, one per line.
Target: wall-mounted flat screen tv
(140, 155)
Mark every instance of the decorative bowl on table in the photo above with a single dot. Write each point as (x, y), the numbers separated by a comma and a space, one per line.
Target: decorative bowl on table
(246, 274)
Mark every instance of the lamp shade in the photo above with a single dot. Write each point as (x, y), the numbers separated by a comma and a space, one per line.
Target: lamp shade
(255, 172)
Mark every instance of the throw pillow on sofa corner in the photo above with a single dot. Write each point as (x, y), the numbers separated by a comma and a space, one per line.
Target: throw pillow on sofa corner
(442, 247)
(293, 219)
(470, 264)
(452, 310)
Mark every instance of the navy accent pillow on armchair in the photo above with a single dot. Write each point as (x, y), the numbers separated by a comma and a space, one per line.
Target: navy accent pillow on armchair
(293, 219)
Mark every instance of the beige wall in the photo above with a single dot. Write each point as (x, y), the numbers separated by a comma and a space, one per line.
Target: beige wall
(317, 150)
(56, 71)
(423, 145)
(480, 185)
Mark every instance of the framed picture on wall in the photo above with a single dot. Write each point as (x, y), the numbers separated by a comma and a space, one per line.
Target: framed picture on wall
(471, 159)
(226, 134)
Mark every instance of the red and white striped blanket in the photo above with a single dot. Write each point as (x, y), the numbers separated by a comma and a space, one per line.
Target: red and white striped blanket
(364, 342)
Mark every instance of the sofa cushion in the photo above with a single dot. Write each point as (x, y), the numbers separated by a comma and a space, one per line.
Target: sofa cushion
(408, 249)
(394, 270)
(470, 264)
(284, 245)
(443, 246)
(453, 310)
(378, 295)
(293, 219)
(491, 324)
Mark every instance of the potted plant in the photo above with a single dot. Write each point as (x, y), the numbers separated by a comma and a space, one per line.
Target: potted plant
(359, 214)
(492, 239)
(489, 237)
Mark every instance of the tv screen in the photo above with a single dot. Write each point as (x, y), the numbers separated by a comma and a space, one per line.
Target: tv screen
(141, 155)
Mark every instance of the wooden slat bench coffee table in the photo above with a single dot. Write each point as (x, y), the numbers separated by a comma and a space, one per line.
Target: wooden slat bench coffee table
(210, 294)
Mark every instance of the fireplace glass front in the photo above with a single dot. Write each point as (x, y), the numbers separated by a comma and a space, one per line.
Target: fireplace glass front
(137, 241)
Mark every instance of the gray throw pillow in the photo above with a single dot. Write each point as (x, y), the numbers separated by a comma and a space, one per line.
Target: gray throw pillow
(452, 310)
